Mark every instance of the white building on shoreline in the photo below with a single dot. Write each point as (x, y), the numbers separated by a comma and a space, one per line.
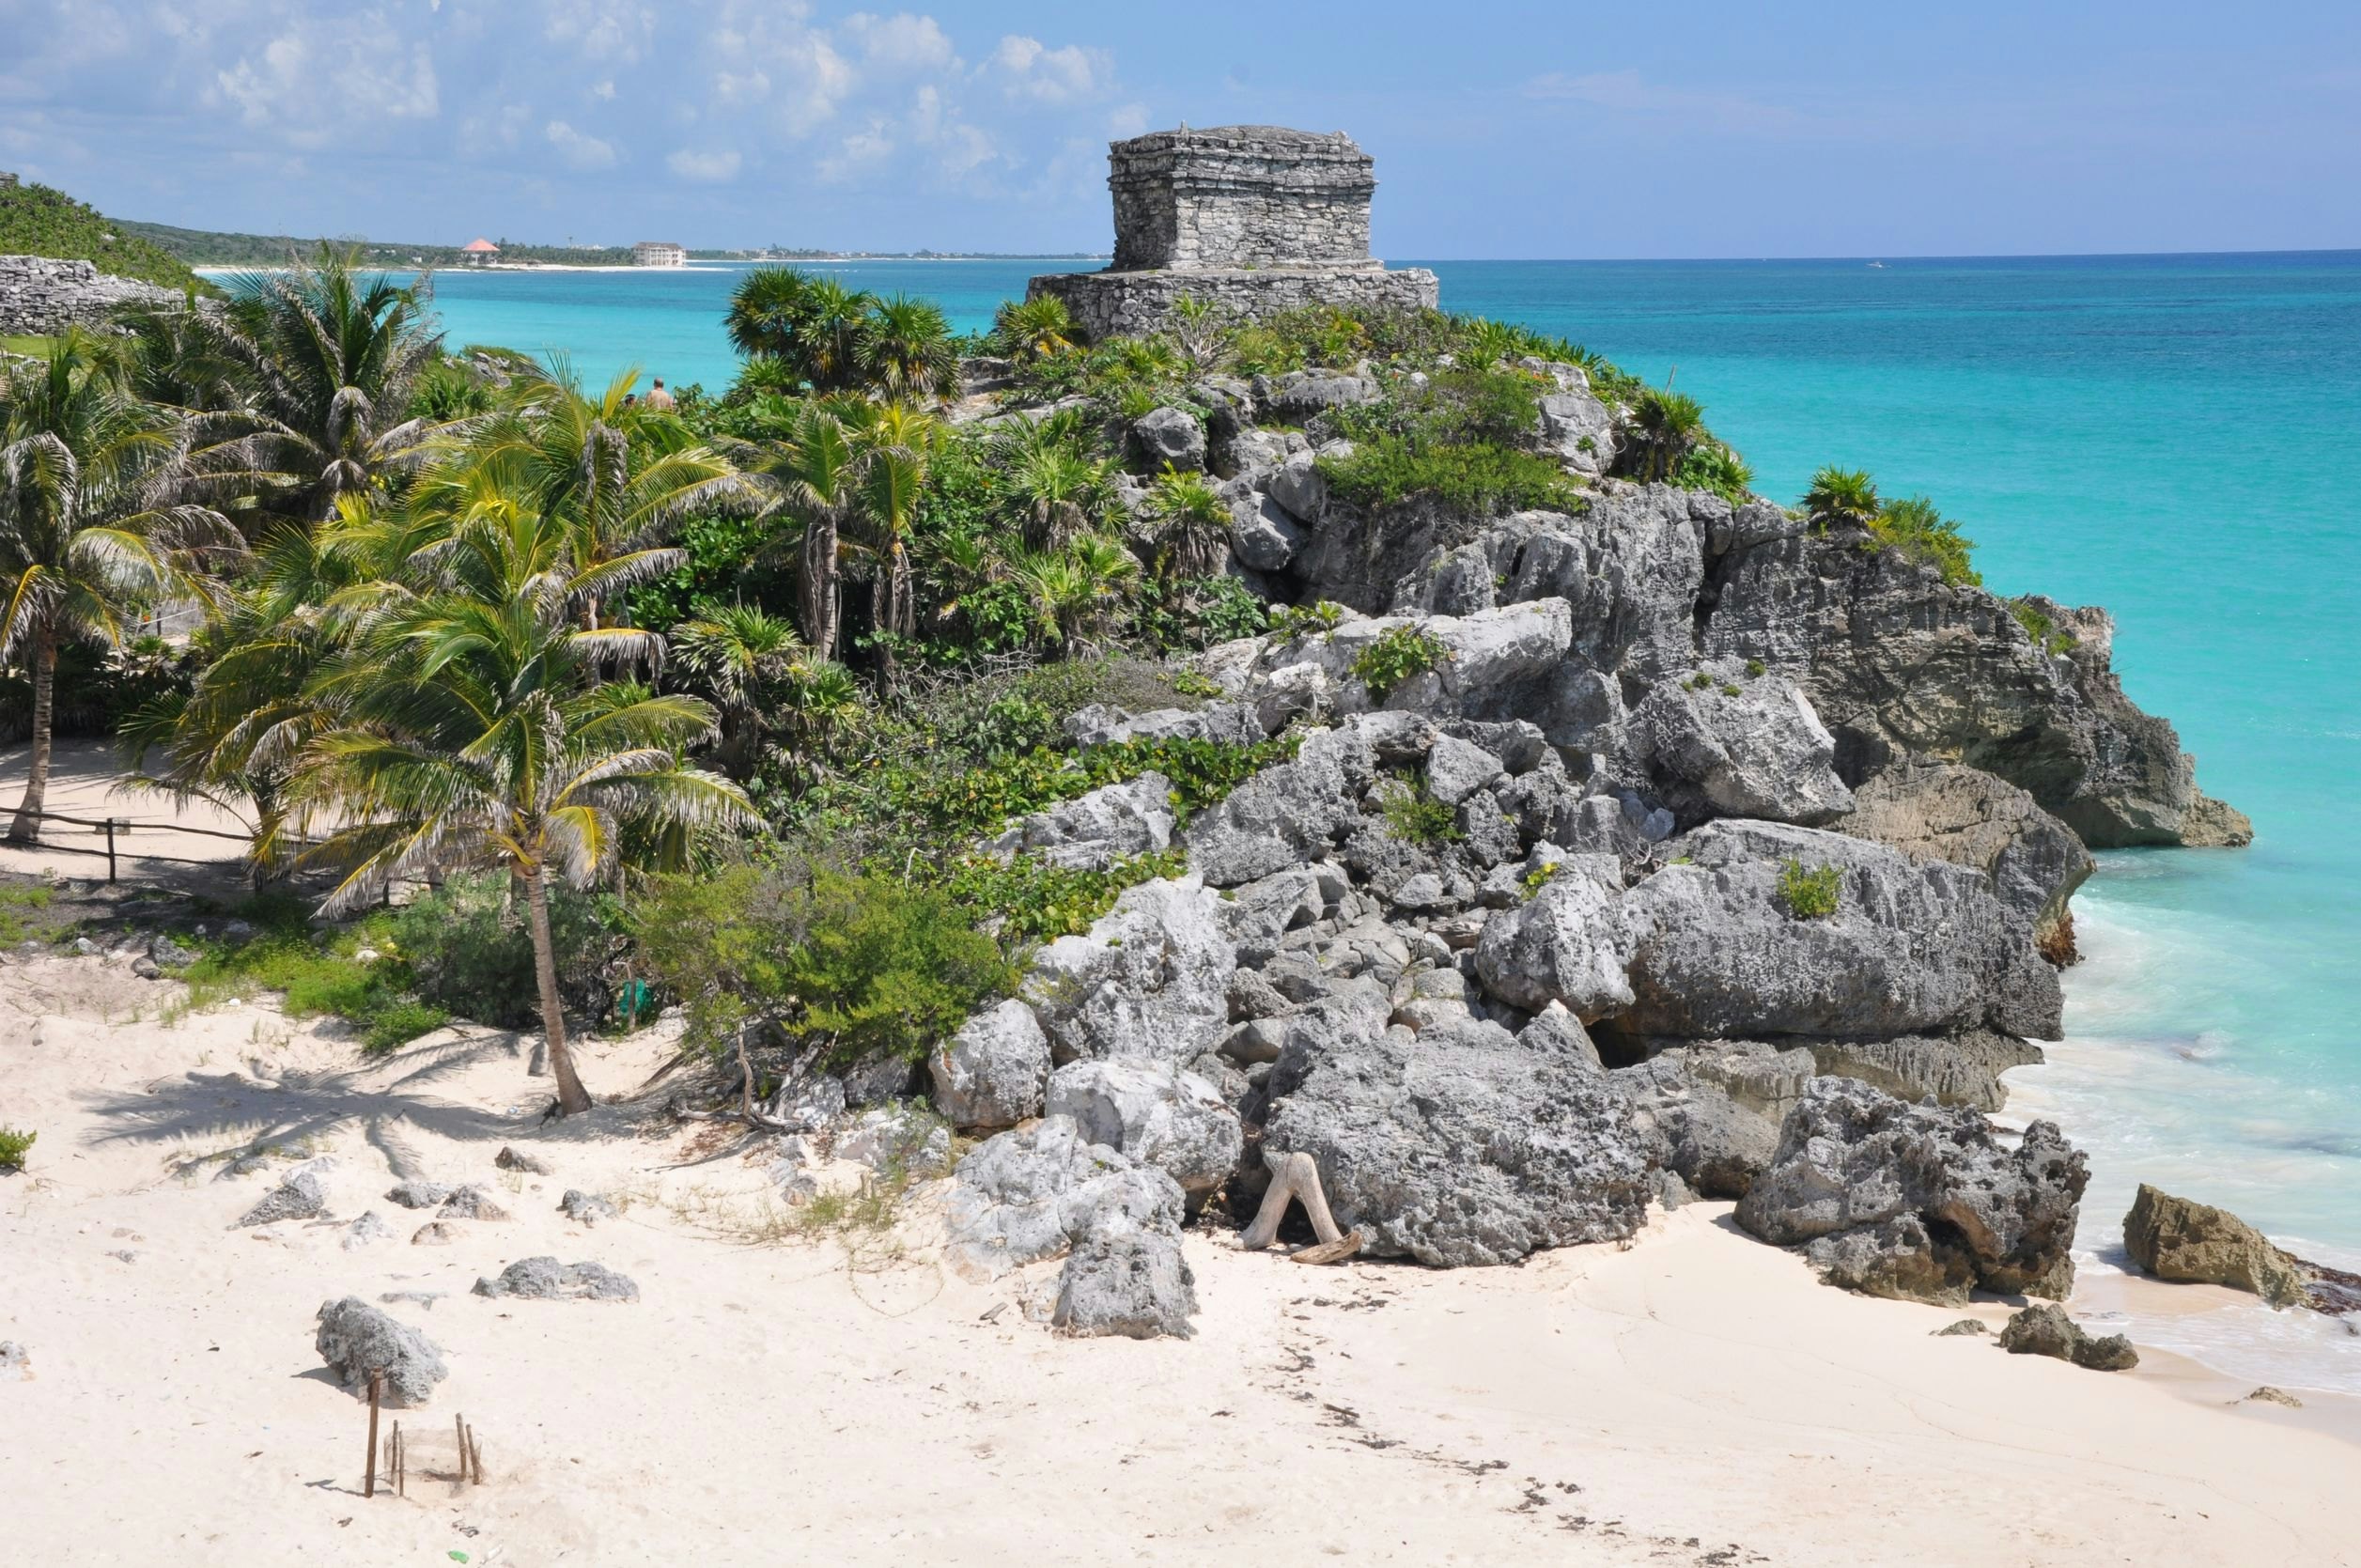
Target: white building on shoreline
(659, 253)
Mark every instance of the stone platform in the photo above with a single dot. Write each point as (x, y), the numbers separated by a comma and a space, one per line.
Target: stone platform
(1106, 305)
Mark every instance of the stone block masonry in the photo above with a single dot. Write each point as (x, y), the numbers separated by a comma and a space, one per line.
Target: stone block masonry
(1255, 218)
(40, 296)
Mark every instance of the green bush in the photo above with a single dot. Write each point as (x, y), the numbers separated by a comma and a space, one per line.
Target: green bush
(14, 1145)
(1035, 900)
(1385, 471)
(1924, 535)
(1810, 892)
(1397, 653)
(469, 953)
(1415, 816)
(398, 1023)
(1712, 466)
(2047, 634)
(1288, 621)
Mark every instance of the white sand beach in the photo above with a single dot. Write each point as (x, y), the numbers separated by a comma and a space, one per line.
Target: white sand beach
(1694, 1398)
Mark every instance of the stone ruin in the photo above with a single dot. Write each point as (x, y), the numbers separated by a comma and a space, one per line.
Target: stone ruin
(1255, 218)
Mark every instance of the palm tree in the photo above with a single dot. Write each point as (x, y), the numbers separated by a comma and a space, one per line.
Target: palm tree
(812, 326)
(474, 730)
(1188, 525)
(813, 476)
(1841, 498)
(621, 478)
(326, 360)
(1665, 426)
(741, 655)
(1075, 590)
(894, 482)
(905, 351)
(89, 532)
(1036, 329)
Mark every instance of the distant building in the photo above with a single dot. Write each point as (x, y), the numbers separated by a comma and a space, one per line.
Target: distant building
(480, 252)
(659, 253)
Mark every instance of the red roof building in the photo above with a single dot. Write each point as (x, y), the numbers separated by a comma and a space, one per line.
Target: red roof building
(480, 252)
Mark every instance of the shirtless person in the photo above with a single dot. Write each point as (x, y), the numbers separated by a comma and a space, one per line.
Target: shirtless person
(658, 397)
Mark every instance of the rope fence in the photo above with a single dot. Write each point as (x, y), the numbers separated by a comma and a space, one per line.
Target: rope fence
(117, 829)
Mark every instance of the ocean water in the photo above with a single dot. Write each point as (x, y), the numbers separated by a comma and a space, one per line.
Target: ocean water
(2172, 437)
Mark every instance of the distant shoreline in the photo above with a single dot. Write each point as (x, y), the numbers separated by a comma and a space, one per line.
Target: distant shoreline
(702, 264)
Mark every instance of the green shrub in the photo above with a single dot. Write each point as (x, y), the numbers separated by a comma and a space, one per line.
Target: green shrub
(1397, 653)
(1539, 878)
(17, 900)
(1036, 900)
(1712, 466)
(1304, 620)
(2047, 635)
(14, 1145)
(1754, 667)
(1415, 816)
(1385, 471)
(400, 1022)
(1924, 535)
(469, 953)
(1810, 892)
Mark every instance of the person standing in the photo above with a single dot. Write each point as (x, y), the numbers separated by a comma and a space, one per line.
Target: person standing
(658, 397)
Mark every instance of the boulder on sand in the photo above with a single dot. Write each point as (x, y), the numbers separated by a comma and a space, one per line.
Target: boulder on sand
(1157, 1114)
(2046, 1329)
(2174, 1238)
(547, 1279)
(356, 1338)
(1128, 1282)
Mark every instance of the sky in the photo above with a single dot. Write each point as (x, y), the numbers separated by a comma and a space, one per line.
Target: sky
(1574, 129)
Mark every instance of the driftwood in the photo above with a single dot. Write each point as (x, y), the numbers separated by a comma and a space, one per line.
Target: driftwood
(1293, 1177)
(1330, 1252)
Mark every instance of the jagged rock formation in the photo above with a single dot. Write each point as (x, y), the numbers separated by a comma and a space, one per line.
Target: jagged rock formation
(356, 1338)
(2176, 1238)
(1255, 219)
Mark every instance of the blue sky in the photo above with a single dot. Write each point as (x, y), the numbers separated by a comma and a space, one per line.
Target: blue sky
(1570, 129)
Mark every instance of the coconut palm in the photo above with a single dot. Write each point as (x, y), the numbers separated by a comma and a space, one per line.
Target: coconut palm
(1074, 591)
(474, 730)
(1666, 426)
(89, 532)
(905, 351)
(741, 655)
(326, 359)
(1034, 329)
(811, 326)
(621, 478)
(1841, 498)
(813, 476)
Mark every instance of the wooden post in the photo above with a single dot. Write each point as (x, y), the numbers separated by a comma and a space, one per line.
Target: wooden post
(459, 1426)
(474, 1457)
(110, 873)
(377, 1387)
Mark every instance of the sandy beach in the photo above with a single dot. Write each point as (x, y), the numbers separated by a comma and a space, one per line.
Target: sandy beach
(1694, 1398)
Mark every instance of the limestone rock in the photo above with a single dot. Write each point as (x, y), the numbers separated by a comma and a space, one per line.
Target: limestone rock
(356, 1338)
(1912, 948)
(994, 1071)
(1093, 830)
(1156, 1114)
(1955, 1069)
(545, 1278)
(1265, 535)
(1283, 816)
(364, 1231)
(1727, 744)
(899, 1137)
(1297, 396)
(2046, 1330)
(434, 1232)
(518, 1160)
(298, 1197)
(2175, 1238)
(1298, 487)
(1169, 436)
(1031, 1193)
(1569, 943)
(1458, 1146)
(1133, 1283)
(470, 1203)
(1149, 978)
(1716, 1109)
(585, 1208)
(1852, 1158)
(415, 1194)
(1964, 1327)
(1457, 768)
(1579, 431)
(1939, 811)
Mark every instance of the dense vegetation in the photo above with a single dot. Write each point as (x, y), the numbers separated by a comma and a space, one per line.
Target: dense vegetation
(37, 220)
(715, 704)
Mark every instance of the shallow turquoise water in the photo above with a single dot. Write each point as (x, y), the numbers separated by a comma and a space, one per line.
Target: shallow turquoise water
(2171, 437)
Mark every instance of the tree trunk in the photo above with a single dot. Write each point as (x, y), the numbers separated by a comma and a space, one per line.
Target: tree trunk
(572, 1099)
(27, 826)
(820, 587)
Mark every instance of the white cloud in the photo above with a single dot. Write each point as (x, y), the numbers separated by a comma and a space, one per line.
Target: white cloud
(313, 80)
(578, 151)
(902, 41)
(1028, 67)
(599, 29)
(709, 168)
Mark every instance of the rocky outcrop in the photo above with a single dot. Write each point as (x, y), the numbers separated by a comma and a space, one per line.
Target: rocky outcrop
(302, 1196)
(1723, 743)
(547, 1279)
(1030, 1194)
(1093, 830)
(1919, 1202)
(1132, 1282)
(1570, 944)
(2175, 1238)
(1149, 980)
(1943, 812)
(1156, 1114)
(1911, 948)
(1456, 1146)
(356, 1339)
(1955, 1069)
(1715, 1112)
(1900, 664)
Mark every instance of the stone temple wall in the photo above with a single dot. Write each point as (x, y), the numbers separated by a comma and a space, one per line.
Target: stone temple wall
(1249, 196)
(1255, 218)
(40, 296)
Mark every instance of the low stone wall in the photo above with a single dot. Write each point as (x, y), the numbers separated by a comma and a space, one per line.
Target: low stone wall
(40, 296)
(1106, 305)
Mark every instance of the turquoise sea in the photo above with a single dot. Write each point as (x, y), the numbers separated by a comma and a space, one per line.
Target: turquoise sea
(2171, 437)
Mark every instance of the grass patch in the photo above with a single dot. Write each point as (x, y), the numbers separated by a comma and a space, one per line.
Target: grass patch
(2047, 635)
(14, 1145)
(32, 347)
(19, 906)
(315, 973)
(1924, 535)
(1810, 892)
(1482, 478)
(1415, 816)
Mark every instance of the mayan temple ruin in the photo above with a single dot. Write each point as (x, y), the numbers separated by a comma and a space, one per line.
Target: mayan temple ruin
(1253, 218)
